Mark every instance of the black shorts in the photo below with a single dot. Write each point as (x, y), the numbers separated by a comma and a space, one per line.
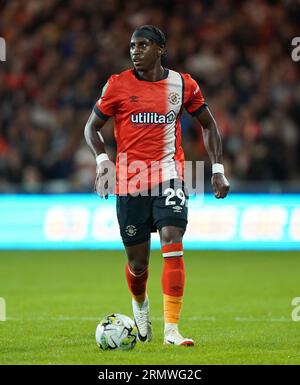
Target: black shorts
(139, 215)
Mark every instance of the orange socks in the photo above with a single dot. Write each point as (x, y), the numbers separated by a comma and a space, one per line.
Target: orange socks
(173, 277)
(137, 283)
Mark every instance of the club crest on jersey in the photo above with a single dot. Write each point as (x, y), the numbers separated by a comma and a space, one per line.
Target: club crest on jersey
(153, 117)
(131, 230)
(174, 98)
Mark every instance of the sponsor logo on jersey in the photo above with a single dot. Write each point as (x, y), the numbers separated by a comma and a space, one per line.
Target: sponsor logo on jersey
(153, 118)
(134, 98)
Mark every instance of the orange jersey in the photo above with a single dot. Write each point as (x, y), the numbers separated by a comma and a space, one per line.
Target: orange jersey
(147, 125)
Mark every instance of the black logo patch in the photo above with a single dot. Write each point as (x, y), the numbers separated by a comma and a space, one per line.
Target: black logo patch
(134, 98)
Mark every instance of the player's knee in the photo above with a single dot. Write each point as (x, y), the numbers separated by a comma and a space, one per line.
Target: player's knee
(138, 262)
(171, 234)
(138, 267)
(138, 257)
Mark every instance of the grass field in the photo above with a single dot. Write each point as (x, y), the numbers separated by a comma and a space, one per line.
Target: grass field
(237, 307)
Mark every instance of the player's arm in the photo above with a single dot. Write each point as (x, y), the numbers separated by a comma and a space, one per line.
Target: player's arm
(105, 170)
(213, 145)
(93, 136)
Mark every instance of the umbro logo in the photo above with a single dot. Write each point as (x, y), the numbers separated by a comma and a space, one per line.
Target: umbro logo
(177, 209)
(133, 98)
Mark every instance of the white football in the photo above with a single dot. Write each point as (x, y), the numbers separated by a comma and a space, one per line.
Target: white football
(116, 331)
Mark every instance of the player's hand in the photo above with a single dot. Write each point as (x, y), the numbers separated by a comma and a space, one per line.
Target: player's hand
(220, 185)
(105, 179)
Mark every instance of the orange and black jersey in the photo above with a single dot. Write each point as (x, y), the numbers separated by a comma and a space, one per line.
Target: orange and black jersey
(147, 120)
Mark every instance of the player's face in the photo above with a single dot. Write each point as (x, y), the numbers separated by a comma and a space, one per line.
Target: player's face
(144, 53)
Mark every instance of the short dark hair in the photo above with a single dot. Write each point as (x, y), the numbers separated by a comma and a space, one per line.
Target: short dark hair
(152, 33)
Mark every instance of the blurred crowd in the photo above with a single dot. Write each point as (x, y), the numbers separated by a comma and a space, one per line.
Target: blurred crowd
(60, 54)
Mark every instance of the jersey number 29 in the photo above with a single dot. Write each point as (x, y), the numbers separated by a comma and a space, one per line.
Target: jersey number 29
(170, 192)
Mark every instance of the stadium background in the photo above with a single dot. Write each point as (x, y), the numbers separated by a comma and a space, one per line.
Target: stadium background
(59, 55)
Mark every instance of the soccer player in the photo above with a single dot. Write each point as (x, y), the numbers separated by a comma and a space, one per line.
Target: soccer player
(146, 102)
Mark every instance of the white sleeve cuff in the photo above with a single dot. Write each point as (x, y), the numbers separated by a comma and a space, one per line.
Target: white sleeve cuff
(217, 168)
(101, 158)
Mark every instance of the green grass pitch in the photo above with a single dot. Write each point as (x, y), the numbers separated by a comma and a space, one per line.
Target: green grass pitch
(237, 307)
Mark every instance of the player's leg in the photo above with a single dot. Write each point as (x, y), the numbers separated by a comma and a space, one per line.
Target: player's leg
(137, 270)
(173, 280)
(170, 213)
(137, 276)
(135, 231)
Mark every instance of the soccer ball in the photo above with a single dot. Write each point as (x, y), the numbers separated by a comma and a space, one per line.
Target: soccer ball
(116, 331)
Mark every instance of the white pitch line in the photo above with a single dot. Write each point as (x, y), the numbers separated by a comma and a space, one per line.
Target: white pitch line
(209, 319)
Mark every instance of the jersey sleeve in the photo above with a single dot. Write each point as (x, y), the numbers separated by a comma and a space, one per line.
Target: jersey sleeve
(106, 105)
(194, 101)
